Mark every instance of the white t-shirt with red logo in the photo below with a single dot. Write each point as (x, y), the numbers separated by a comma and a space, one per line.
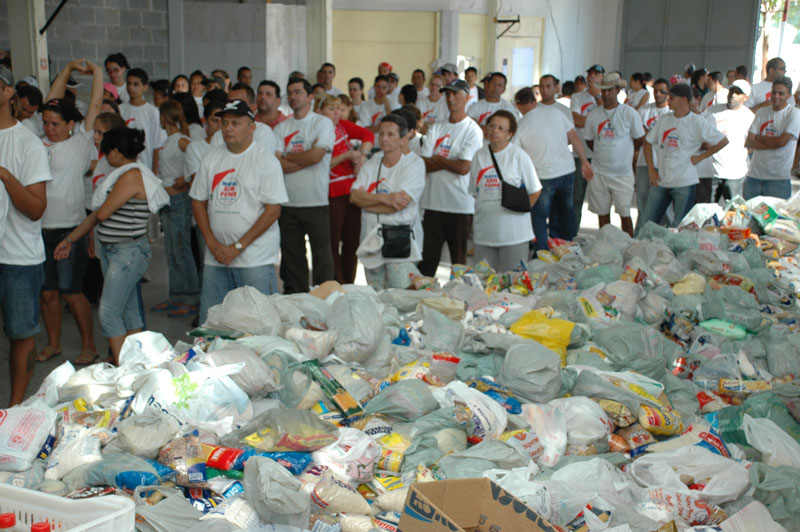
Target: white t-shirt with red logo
(542, 133)
(69, 160)
(650, 115)
(307, 187)
(433, 112)
(407, 175)
(446, 191)
(370, 113)
(774, 164)
(146, 118)
(676, 140)
(481, 110)
(760, 92)
(25, 158)
(494, 225)
(583, 103)
(612, 132)
(731, 161)
(714, 98)
(237, 186)
(636, 97)
(263, 136)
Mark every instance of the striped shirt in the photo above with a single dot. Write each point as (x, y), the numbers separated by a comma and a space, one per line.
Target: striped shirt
(127, 223)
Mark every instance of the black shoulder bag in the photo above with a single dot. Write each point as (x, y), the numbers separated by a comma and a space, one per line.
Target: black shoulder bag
(513, 198)
(396, 238)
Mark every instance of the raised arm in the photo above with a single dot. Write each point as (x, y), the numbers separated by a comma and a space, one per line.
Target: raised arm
(59, 86)
(96, 99)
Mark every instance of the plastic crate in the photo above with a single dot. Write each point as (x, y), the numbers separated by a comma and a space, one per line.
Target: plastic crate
(109, 513)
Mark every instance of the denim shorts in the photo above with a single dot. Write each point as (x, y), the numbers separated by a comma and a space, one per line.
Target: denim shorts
(65, 275)
(19, 298)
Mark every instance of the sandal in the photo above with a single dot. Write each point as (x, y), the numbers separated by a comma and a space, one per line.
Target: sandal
(87, 356)
(182, 311)
(165, 305)
(46, 354)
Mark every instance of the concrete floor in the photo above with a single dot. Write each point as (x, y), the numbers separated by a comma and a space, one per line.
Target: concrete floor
(174, 329)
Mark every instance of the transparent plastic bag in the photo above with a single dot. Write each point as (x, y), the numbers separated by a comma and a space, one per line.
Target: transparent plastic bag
(777, 448)
(406, 400)
(284, 429)
(356, 317)
(532, 372)
(256, 379)
(247, 310)
(276, 494)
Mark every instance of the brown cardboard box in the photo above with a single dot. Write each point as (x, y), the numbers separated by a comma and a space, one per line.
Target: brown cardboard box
(326, 289)
(468, 505)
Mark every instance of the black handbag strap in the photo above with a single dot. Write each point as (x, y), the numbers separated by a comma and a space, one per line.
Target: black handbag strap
(377, 180)
(496, 166)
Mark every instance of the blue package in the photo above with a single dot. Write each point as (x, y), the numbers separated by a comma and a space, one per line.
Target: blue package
(511, 404)
(164, 472)
(239, 462)
(295, 462)
(130, 480)
(47, 448)
(402, 338)
(202, 499)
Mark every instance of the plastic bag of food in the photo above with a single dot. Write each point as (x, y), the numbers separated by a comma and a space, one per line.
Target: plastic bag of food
(277, 496)
(314, 345)
(23, 431)
(586, 421)
(519, 482)
(173, 513)
(550, 332)
(777, 448)
(356, 317)
(406, 400)
(550, 425)
(352, 457)
(186, 457)
(256, 379)
(48, 391)
(146, 349)
(284, 429)
(76, 446)
(120, 470)
(330, 495)
(532, 372)
(472, 462)
(489, 418)
(442, 333)
(245, 310)
(145, 434)
(237, 511)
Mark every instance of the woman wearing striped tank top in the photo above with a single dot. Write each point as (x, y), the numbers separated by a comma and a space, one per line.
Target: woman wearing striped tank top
(122, 205)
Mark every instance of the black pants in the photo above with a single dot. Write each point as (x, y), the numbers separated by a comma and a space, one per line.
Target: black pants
(295, 223)
(440, 227)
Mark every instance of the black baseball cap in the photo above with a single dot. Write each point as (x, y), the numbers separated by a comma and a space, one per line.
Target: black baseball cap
(237, 108)
(596, 68)
(456, 85)
(682, 90)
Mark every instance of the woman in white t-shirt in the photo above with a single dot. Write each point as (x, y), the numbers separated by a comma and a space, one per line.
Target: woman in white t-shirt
(117, 68)
(637, 95)
(501, 236)
(192, 115)
(432, 106)
(68, 145)
(176, 218)
(387, 189)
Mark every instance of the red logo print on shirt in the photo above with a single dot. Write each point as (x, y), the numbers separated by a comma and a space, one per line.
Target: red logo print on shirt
(128, 121)
(290, 146)
(768, 96)
(491, 179)
(605, 129)
(651, 121)
(228, 191)
(372, 186)
(586, 106)
(375, 117)
(482, 117)
(768, 128)
(670, 138)
(219, 177)
(442, 146)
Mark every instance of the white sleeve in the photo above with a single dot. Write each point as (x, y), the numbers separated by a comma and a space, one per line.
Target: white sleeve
(529, 176)
(412, 182)
(266, 138)
(326, 134)
(272, 189)
(471, 143)
(637, 126)
(363, 178)
(200, 190)
(473, 174)
(364, 118)
(428, 140)
(711, 134)
(793, 123)
(36, 167)
(589, 126)
(191, 163)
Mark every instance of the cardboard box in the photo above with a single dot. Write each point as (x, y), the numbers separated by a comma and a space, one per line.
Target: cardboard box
(468, 505)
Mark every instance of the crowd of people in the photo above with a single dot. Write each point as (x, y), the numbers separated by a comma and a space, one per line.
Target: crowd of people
(239, 176)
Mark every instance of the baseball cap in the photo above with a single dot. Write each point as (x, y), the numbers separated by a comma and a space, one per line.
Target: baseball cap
(742, 85)
(456, 85)
(682, 90)
(596, 68)
(112, 89)
(612, 80)
(385, 65)
(214, 79)
(30, 80)
(449, 67)
(237, 108)
(6, 76)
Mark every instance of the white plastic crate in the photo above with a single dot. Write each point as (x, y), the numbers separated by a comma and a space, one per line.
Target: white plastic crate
(98, 514)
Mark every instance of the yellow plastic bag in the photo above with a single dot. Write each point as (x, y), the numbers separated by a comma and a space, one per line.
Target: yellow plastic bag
(552, 333)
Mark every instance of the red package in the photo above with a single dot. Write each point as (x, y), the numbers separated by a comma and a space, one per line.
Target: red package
(222, 457)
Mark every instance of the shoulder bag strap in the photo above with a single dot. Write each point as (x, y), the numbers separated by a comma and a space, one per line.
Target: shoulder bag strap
(496, 166)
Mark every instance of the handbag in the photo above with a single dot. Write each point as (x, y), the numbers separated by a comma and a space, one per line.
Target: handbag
(396, 238)
(513, 198)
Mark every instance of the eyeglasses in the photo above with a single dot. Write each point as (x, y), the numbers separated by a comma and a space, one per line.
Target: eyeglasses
(498, 128)
(662, 92)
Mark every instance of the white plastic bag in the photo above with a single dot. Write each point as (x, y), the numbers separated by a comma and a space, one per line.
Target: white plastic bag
(245, 310)
(488, 416)
(352, 456)
(586, 421)
(776, 446)
(145, 434)
(236, 511)
(76, 446)
(23, 431)
(146, 349)
(48, 391)
(276, 494)
(256, 379)
(532, 372)
(315, 345)
(519, 482)
(356, 317)
(330, 495)
(550, 426)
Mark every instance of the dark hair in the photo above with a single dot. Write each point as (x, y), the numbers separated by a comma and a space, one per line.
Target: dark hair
(580, 79)
(786, 81)
(216, 95)
(197, 73)
(212, 108)
(525, 95)
(128, 141)
(502, 113)
(190, 110)
(741, 70)
(316, 86)
(696, 93)
(306, 85)
(357, 80)
(648, 76)
(393, 77)
(638, 76)
(30, 92)
(408, 116)
(716, 76)
(493, 75)
(328, 64)
(773, 63)
(381, 77)
(242, 69)
(413, 109)
(224, 75)
(176, 78)
(270, 83)
(251, 94)
(172, 112)
(138, 73)
(66, 110)
(409, 93)
(111, 120)
(113, 104)
(568, 88)
(420, 71)
(661, 80)
(471, 69)
(555, 79)
(402, 122)
(119, 59)
(161, 86)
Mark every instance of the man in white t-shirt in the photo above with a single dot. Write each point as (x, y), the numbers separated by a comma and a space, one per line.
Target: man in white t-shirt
(24, 172)
(305, 142)
(717, 93)
(418, 80)
(729, 164)
(139, 114)
(481, 110)
(548, 89)
(677, 138)
(525, 100)
(447, 149)
(263, 134)
(475, 92)
(236, 199)
(773, 137)
(326, 74)
(371, 111)
(651, 112)
(268, 102)
(546, 133)
(614, 132)
(30, 100)
(581, 104)
(761, 91)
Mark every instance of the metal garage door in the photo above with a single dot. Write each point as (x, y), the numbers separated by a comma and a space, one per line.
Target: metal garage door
(661, 36)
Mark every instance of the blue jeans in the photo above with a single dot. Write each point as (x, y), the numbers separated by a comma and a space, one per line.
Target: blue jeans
(65, 276)
(777, 188)
(219, 280)
(659, 198)
(556, 197)
(578, 194)
(176, 219)
(123, 265)
(19, 299)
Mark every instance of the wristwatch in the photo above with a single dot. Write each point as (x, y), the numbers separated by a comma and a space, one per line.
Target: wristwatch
(238, 246)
